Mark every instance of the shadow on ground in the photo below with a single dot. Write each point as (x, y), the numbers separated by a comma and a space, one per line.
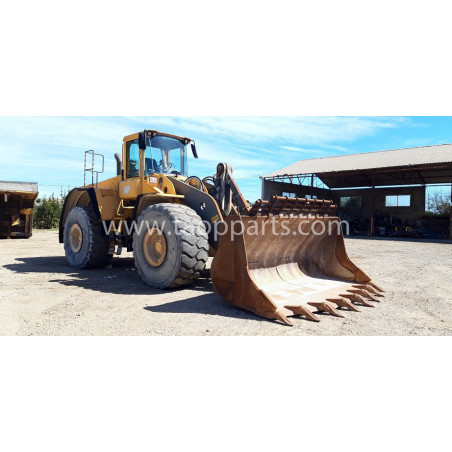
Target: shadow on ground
(123, 279)
(210, 304)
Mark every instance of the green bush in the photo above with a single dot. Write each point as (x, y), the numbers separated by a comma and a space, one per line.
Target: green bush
(47, 212)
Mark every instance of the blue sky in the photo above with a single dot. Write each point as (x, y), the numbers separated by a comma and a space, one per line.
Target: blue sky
(50, 150)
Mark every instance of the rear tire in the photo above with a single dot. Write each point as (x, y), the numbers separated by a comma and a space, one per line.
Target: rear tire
(170, 246)
(84, 244)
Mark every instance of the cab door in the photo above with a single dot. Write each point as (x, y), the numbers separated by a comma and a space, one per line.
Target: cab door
(131, 186)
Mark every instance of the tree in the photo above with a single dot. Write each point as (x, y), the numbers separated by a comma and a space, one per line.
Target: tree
(47, 212)
(439, 204)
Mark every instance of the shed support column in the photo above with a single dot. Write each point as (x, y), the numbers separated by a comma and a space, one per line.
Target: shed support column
(372, 225)
(450, 222)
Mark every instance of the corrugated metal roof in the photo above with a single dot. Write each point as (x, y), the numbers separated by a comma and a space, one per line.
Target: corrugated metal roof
(424, 155)
(10, 187)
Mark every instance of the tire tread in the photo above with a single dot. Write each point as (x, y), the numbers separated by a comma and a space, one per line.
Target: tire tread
(194, 242)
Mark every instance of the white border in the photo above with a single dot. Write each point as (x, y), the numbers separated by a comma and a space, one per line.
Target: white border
(201, 58)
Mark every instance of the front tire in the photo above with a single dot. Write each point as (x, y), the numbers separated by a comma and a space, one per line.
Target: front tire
(170, 246)
(84, 244)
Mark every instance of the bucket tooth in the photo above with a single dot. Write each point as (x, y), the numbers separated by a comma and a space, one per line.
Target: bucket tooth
(372, 290)
(367, 287)
(302, 310)
(282, 318)
(365, 294)
(344, 303)
(376, 287)
(326, 306)
(357, 299)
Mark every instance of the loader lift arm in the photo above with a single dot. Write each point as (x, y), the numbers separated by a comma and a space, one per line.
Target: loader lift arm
(226, 190)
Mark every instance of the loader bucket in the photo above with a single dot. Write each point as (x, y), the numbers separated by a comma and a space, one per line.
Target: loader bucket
(16, 208)
(287, 257)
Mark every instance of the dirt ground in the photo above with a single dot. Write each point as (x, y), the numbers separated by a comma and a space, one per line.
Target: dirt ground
(41, 295)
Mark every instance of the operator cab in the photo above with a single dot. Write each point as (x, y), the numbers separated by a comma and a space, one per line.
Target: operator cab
(151, 152)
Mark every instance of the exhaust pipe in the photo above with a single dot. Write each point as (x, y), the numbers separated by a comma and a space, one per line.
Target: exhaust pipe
(118, 164)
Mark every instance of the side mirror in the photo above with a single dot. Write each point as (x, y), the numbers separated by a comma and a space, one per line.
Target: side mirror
(193, 149)
(142, 140)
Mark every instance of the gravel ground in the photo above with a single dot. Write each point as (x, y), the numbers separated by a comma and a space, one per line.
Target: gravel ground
(41, 295)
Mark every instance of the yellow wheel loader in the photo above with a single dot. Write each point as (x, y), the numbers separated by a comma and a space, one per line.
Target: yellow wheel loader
(278, 258)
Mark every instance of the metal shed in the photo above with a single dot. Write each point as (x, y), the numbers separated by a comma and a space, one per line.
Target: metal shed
(404, 172)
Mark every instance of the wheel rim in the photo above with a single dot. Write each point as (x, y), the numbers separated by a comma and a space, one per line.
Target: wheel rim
(75, 238)
(155, 247)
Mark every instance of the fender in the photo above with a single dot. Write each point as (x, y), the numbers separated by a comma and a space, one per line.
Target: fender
(203, 204)
(148, 199)
(78, 197)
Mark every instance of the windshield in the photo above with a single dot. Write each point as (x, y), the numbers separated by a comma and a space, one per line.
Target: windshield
(166, 155)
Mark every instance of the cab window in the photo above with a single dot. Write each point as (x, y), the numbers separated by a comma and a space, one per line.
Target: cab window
(132, 159)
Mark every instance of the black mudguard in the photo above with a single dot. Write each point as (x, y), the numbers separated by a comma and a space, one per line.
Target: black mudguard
(203, 204)
(71, 201)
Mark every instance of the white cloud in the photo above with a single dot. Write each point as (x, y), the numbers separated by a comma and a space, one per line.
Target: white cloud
(335, 148)
(296, 130)
(51, 149)
(304, 151)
